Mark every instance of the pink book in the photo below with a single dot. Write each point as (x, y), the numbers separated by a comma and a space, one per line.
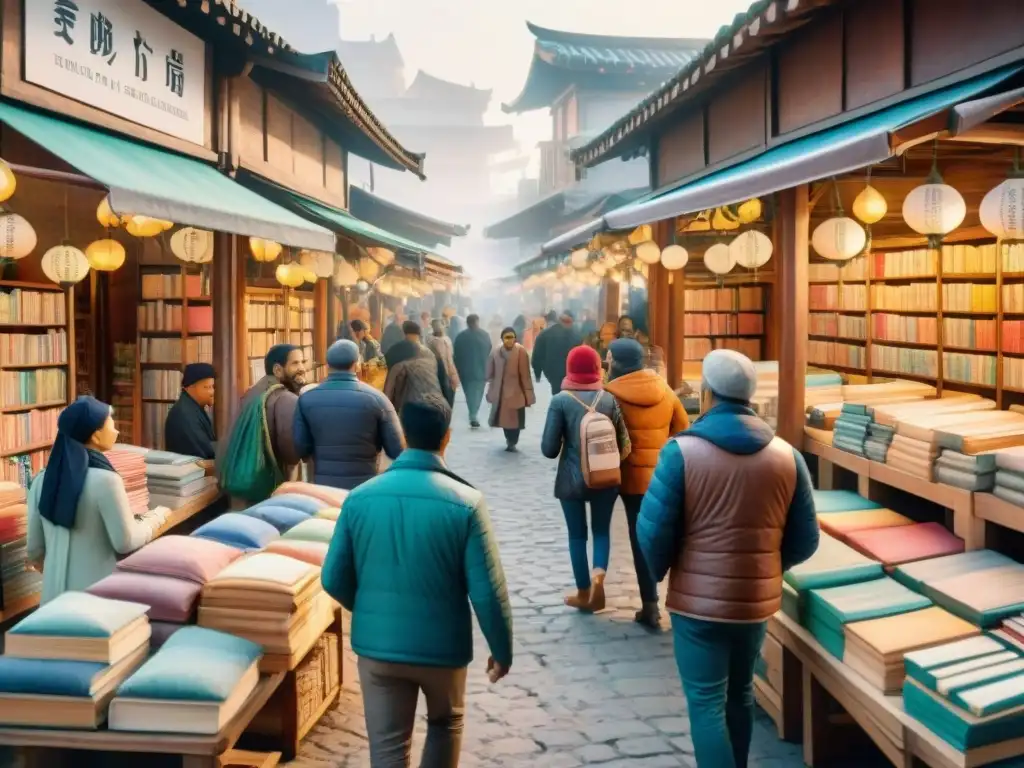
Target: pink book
(905, 543)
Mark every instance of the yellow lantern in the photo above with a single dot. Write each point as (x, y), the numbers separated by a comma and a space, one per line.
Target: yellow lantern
(674, 257)
(17, 237)
(264, 250)
(289, 275)
(648, 253)
(750, 211)
(839, 239)
(345, 275)
(106, 216)
(320, 263)
(719, 259)
(870, 206)
(641, 234)
(105, 255)
(145, 226)
(7, 182)
(934, 209)
(382, 256)
(65, 265)
(193, 246)
(368, 269)
(722, 220)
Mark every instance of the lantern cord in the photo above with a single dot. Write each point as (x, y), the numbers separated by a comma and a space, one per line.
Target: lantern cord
(835, 191)
(67, 224)
(935, 177)
(868, 181)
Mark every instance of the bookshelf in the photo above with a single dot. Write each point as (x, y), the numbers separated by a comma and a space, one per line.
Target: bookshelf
(723, 317)
(279, 316)
(37, 373)
(175, 328)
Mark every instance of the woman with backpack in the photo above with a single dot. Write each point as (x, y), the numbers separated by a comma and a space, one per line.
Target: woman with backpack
(585, 431)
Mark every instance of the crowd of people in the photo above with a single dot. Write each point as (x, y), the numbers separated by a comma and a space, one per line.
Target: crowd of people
(720, 507)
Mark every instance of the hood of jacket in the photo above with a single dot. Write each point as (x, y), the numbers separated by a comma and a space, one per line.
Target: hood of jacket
(644, 388)
(734, 428)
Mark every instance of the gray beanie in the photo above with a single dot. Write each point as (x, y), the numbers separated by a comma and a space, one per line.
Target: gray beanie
(730, 375)
(342, 355)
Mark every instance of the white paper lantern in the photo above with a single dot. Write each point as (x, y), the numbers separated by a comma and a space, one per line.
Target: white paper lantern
(320, 263)
(17, 238)
(580, 258)
(65, 265)
(839, 239)
(193, 246)
(934, 209)
(718, 259)
(345, 275)
(649, 252)
(1001, 210)
(674, 257)
(751, 249)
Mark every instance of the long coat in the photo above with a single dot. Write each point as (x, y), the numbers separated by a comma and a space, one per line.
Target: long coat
(472, 348)
(509, 387)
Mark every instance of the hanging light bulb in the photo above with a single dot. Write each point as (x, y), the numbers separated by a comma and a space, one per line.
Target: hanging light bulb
(289, 275)
(579, 258)
(106, 216)
(320, 263)
(934, 209)
(193, 246)
(65, 265)
(751, 250)
(1000, 211)
(17, 237)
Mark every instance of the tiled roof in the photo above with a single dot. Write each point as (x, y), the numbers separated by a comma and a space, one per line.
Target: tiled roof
(410, 224)
(763, 25)
(430, 88)
(558, 56)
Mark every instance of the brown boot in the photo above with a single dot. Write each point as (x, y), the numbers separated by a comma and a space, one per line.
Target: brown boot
(580, 601)
(649, 616)
(597, 601)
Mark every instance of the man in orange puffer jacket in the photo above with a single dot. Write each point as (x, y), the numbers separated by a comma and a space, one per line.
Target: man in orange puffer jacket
(653, 414)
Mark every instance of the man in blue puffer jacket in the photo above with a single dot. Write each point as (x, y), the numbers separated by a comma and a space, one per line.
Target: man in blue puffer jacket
(412, 551)
(344, 423)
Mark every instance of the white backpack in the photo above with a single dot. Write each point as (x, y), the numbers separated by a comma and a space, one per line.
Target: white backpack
(599, 447)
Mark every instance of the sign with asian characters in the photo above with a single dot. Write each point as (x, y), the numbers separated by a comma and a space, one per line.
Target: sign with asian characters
(120, 56)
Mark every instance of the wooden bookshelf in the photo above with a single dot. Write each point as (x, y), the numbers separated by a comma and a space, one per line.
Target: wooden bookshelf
(175, 328)
(280, 316)
(724, 315)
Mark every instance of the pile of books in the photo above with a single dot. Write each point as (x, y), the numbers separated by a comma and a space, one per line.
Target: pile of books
(1008, 482)
(902, 543)
(972, 473)
(131, 466)
(175, 480)
(832, 565)
(842, 524)
(63, 663)
(17, 583)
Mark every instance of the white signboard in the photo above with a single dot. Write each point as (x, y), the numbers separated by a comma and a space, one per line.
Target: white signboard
(120, 56)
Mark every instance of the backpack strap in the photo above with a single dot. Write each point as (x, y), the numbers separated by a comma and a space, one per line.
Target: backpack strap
(593, 406)
(268, 442)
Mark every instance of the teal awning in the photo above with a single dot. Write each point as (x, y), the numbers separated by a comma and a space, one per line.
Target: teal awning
(151, 182)
(848, 147)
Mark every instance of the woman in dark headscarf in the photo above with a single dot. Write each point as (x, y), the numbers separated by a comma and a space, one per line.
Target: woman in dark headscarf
(79, 517)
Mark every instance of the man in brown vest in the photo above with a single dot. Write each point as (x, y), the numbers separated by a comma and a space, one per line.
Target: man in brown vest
(729, 509)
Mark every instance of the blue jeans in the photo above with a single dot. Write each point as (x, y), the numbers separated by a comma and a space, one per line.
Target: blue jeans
(601, 506)
(716, 663)
(644, 579)
(474, 391)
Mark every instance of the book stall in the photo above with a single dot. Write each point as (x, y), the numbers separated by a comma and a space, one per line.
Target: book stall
(238, 603)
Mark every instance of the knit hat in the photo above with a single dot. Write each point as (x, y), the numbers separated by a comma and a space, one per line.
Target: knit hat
(196, 372)
(583, 366)
(342, 355)
(627, 355)
(730, 375)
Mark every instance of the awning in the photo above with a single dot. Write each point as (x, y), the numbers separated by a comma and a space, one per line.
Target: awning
(151, 182)
(848, 147)
(555, 209)
(410, 224)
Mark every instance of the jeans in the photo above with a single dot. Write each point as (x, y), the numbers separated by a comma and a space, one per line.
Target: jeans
(390, 695)
(601, 506)
(716, 663)
(474, 391)
(512, 436)
(644, 579)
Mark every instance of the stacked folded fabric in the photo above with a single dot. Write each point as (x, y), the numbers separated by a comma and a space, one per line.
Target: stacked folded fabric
(237, 530)
(131, 466)
(1009, 477)
(174, 485)
(167, 575)
(312, 552)
(851, 428)
(841, 501)
(832, 565)
(841, 524)
(285, 511)
(984, 597)
(331, 497)
(905, 543)
(318, 529)
(63, 663)
(969, 692)
(196, 683)
(968, 433)
(829, 610)
(961, 470)
(17, 583)
(875, 648)
(880, 437)
(270, 599)
(915, 457)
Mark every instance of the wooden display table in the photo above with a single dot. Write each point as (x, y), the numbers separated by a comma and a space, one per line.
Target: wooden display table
(991, 509)
(829, 458)
(187, 512)
(778, 692)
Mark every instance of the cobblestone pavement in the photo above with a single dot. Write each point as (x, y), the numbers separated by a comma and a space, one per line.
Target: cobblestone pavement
(583, 690)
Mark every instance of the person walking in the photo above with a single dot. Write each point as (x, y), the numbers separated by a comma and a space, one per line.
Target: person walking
(552, 348)
(509, 388)
(442, 346)
(393, 333)
(652, 413)
(344, 424)
(412, 553)
(413, 370)
(581, 393)
(471, 350)
(729, 509)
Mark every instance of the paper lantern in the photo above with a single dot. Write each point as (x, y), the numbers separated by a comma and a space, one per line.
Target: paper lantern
(839, 239)
(8, 183)
(320, 263)
(722, 220)
(1001, 212)
(599, 268)
(752, 249)
(193, 246)
(65, 265)
(870, 206)
(289, 275)
(674, 257)
(106, 216)
(105, 255)
(382, 256)
(345, 275)
(146, 226)
(17, 237)
(934, 209)
(580, 257)
(264, 250)
(648, 253)
(641, 234)
(749, 211)
(719, 259)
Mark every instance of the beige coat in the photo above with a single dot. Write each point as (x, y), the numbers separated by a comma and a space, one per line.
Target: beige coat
(509, 386)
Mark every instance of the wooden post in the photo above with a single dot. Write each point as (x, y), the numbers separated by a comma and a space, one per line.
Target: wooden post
(674, 353)
(612, 295)
(227, 329)
(792, 233)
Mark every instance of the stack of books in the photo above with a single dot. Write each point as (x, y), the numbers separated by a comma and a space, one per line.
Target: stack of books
(131, 466)
(841, 501)
(905, 543)
(195, 684)
(63, 663)
(832, 565)
(841, 524)
(851, 429)
(175, 483)
(961, 470)
(239, 531)
(920, 575)
(984, 597)
(17, 583)
(1009, 478)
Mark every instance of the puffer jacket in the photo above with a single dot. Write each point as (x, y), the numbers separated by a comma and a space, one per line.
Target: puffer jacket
(561, 439)
(652, 413)
(413, 550)
(344, 424)
(730, 508)
(413, 372)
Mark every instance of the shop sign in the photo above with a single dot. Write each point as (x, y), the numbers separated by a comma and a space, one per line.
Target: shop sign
(122, 57)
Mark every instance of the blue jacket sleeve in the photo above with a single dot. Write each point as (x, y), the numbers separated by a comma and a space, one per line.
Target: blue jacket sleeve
(338, 574)
(554, 431)
(800, 536)
(486, 586)
(659, 528)
(301, 436)
(391, 438)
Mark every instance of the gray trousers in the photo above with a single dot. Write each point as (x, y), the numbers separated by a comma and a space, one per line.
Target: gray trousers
(390, 695)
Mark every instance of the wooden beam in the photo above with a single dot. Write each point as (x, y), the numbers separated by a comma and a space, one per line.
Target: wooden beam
(793, 225)
(676, 334)
(992, 133)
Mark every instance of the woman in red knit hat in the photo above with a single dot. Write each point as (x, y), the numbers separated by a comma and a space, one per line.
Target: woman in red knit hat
(582, 392)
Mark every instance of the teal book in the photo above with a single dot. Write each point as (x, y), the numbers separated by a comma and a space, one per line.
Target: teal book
(958, 727)
(78, 614)
(873, 599)
(918, 575)
(832, 565)
(853, 409)
(930, 666)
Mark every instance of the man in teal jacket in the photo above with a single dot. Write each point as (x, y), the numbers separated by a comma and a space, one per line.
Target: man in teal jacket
(411, 551)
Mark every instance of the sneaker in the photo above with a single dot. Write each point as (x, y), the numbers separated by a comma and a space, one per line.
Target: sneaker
(474, 424)
(511, 448)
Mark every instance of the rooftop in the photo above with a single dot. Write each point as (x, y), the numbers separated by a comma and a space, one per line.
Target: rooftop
(429, 88)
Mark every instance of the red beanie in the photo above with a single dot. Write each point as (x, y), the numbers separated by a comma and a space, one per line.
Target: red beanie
(583, 366)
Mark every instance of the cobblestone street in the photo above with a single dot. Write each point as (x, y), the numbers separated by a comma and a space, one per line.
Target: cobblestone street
(583, 690)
